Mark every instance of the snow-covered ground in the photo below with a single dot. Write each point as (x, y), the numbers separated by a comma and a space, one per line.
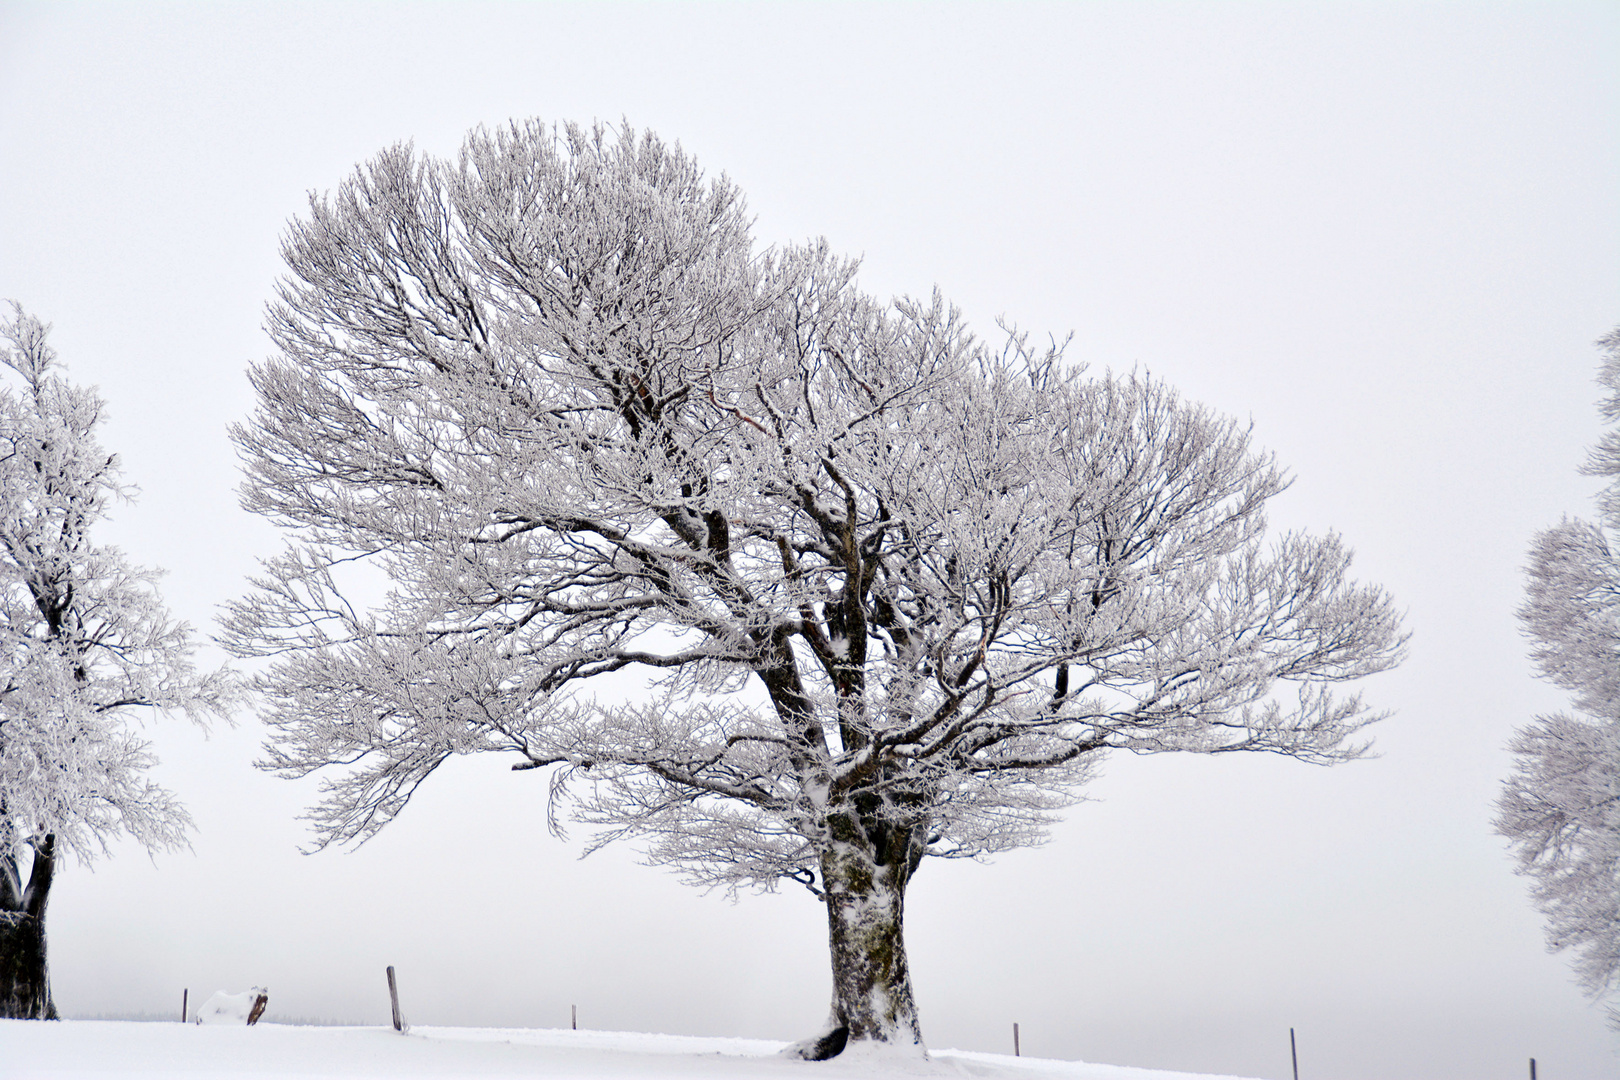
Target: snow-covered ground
(33, 1050)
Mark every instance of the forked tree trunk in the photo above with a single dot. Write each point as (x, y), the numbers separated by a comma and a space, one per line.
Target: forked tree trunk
(865, 886)
(25, 986)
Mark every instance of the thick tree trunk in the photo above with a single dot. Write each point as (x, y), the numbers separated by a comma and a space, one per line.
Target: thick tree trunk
(872, 1006)
(25, 987)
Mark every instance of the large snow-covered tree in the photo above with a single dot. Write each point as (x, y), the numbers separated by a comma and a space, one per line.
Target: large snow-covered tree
(889, 592)
(85, 646)
(1561, 807)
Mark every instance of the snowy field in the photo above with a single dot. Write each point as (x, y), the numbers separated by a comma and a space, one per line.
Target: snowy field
(95, 1048)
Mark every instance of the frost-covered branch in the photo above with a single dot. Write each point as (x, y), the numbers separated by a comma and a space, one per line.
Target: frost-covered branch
(85, 644)
(1561, 807)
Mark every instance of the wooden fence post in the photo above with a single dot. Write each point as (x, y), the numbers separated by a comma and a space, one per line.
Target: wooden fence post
(184, 996)
(257, 1010)
(573, 1018)
(1293, 1051)
(1532, 1069)
(393, 999)
(1016, 1051)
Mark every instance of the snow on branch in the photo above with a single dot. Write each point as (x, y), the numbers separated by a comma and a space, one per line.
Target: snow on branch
(85, 644)
(1560, 808)
(871, 569)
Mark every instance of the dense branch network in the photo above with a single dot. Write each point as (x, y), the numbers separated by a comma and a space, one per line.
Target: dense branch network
(543, 419)
(1561, 807)
(85, 644)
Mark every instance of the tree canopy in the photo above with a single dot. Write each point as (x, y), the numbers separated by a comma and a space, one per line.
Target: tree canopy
(1561, 807)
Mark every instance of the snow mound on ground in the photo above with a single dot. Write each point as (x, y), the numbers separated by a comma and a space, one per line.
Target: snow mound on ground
(225, 1008)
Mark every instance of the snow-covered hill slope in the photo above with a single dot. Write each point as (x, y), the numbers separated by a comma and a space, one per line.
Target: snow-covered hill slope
(73, 1049)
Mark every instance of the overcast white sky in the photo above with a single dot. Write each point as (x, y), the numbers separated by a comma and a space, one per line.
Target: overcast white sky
(1388, 234)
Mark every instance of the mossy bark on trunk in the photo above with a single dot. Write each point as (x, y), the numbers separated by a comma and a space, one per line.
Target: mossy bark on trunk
(864, 879)
(865, 924)
(25, 986)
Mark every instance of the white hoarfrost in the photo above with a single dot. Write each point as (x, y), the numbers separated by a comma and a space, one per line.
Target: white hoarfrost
(86, 646)
(1561, 806)
(892, 588)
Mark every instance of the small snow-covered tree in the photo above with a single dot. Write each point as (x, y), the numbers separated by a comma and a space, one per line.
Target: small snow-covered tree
(1561, 807)
(84, 644)
(893, 592)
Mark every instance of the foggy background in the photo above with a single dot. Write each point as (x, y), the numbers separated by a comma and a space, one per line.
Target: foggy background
(1387, 235)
